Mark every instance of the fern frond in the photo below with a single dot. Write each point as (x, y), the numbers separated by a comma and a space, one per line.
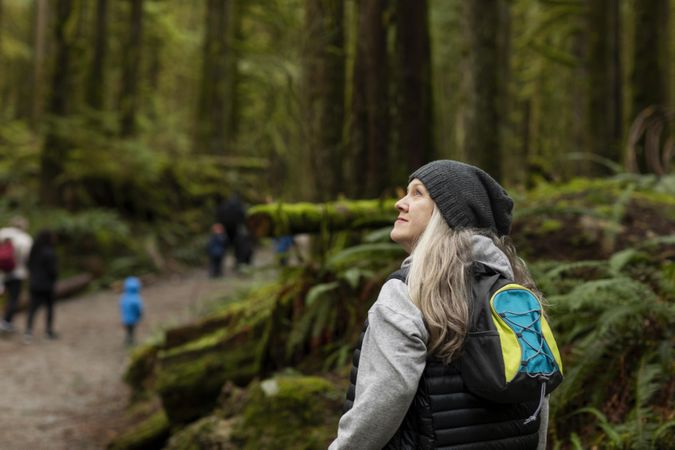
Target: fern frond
(365, 254)
(319, 291)
(611, 432)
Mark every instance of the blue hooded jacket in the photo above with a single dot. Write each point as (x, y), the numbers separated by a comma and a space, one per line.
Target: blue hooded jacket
(131, 303)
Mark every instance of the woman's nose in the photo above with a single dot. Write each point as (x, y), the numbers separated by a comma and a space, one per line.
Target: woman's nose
(401, 205)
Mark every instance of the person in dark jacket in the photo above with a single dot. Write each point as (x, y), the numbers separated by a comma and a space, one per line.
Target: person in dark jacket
(42, 267)
(131, 308)
(231, 214)
(215, 249)
(407, 390)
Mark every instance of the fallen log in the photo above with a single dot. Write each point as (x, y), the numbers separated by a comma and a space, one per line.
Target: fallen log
(72, 285)
(278, 219)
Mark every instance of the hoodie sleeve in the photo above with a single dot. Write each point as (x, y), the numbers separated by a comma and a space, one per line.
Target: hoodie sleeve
(393, 357)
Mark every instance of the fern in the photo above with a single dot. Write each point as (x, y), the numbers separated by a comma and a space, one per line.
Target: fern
(610, 431)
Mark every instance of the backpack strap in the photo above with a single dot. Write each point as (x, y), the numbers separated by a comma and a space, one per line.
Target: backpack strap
(400, 274)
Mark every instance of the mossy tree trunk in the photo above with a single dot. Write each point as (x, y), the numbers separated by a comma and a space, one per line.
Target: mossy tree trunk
(413, 66)
(292, 218)
(324, 88)
(214, 118)
(483, 85)
(370, 118)
(55, 149)
(129, 94)
(605, 90)
(95, 89)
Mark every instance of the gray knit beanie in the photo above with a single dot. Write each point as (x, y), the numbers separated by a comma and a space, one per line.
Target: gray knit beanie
(466, 196)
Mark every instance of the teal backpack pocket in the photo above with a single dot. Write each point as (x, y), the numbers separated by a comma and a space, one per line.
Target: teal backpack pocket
(509, 354)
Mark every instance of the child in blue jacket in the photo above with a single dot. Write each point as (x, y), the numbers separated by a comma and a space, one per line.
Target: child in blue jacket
(131, 307)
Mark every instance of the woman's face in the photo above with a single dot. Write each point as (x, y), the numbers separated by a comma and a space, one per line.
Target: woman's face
(414, 212)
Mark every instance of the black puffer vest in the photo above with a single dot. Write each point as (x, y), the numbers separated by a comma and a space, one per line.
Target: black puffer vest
(445, 415)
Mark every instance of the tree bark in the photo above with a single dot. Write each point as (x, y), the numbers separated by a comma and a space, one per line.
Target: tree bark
(650, 69)
(213, 129)
(3, 76)
(414, 105)
(56, 145)
(130, 71)
(39, 34)
(95, 94)
(483, 85)
(605, 100)
(324, 87)
(370, 102)
(292, 218)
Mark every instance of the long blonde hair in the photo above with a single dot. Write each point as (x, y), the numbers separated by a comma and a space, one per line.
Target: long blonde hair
(439, 282)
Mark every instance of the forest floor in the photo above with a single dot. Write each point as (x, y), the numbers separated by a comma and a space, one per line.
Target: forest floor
(68, 393)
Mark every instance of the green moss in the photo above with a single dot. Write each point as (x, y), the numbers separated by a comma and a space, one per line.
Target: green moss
(292, 412)
(206, 434)
(140, 372)
(150, 434)
(189, 383)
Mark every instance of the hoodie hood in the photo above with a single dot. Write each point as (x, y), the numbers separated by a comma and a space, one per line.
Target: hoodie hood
(484, 251)
(132, 285)
(487, 253)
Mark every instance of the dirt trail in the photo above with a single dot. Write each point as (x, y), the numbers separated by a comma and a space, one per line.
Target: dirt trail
(68, 393)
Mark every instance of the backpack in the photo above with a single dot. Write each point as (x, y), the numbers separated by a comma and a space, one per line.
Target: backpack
(509, 354)
(7, 258)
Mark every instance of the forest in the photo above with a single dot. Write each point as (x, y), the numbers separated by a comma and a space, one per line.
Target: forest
(123, 122)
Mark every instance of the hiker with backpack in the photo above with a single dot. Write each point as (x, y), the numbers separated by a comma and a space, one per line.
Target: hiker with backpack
(15, 245)
(456, 351)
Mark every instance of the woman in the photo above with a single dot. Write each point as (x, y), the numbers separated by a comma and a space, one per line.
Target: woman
(407, 390)
(42, 266)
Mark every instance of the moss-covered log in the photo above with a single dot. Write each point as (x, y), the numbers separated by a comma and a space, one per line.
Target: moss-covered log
(190, 377)
(140, 374)
(278, 219)
(183, 334)
(150, 434)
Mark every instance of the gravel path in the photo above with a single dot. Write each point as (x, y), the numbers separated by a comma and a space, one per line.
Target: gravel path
(68, 393)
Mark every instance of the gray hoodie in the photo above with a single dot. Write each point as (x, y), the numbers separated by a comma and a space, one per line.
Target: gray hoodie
(393, 357)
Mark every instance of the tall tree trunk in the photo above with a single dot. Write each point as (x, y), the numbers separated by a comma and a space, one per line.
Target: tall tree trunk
(54, 151)
(605, 99)
(650, 69)
(370, 102)
(95, 95)
(130, 71)
(650, 78)
(483, 86)
(414, 106)
(39, 35)
(213, 129)
(324, 87)
(3, 76)
(580, 110)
